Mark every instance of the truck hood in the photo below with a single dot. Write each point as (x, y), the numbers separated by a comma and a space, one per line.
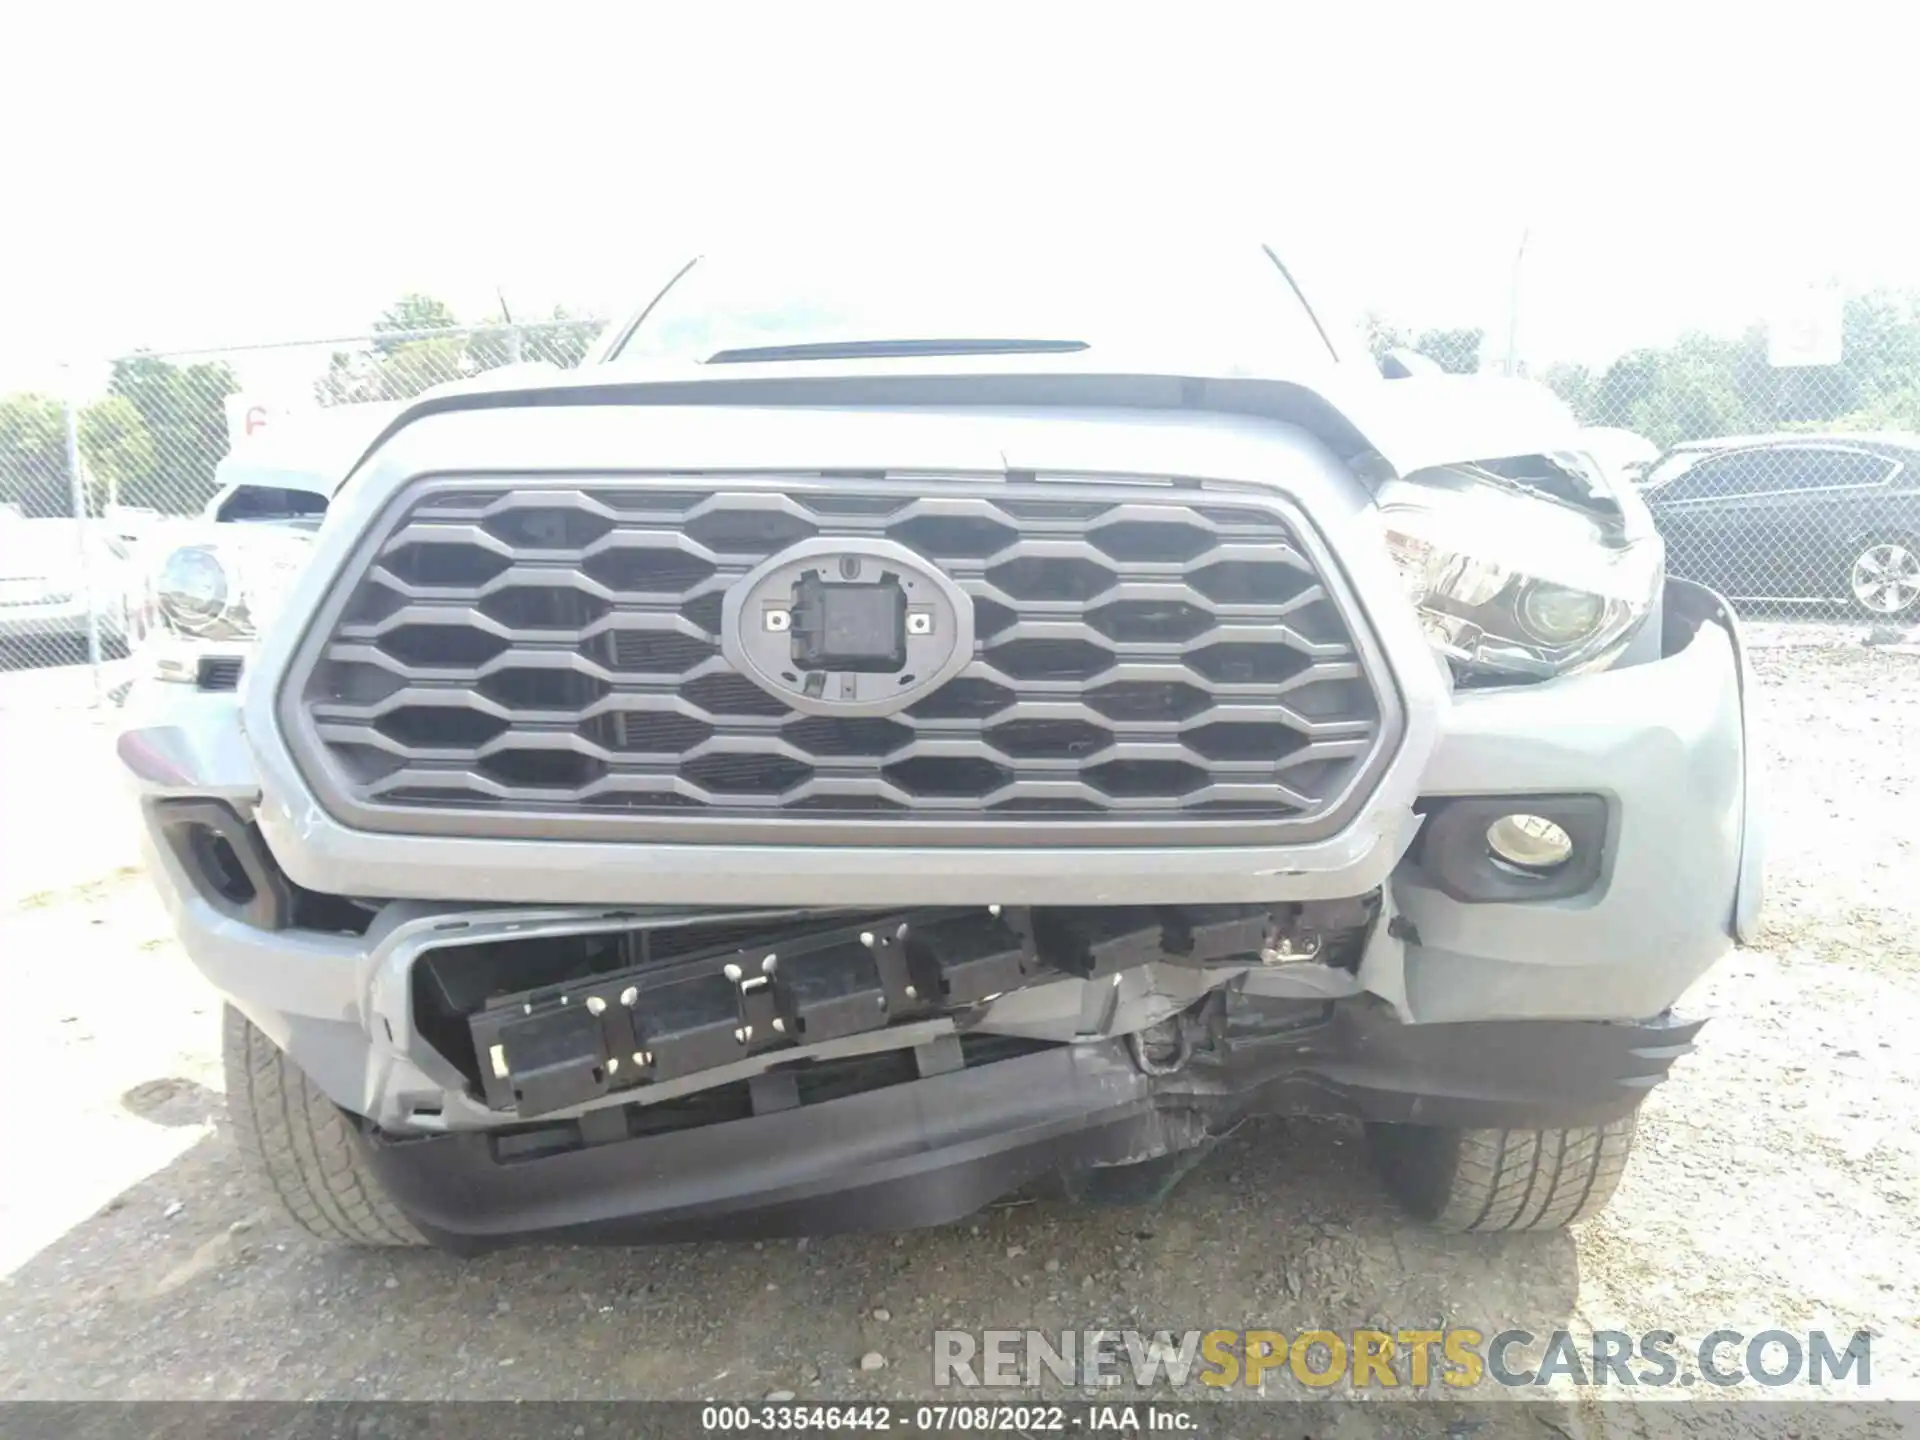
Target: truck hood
(1409, 425)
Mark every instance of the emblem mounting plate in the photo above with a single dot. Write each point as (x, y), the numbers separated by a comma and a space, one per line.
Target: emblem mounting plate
(848, 627)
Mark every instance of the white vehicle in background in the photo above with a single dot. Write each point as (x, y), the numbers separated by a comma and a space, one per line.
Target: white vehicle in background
(54, 573)
(210, 575)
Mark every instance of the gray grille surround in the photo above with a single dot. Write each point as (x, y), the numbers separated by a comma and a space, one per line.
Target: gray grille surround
(540, 657)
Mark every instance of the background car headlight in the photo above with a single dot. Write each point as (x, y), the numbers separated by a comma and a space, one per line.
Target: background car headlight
(1512, 585)
(193, 590)
(219, 594)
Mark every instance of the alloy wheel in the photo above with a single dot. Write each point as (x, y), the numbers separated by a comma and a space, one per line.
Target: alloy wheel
(1885, 579)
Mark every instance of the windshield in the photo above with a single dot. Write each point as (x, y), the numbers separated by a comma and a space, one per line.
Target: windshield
(271, 505)
(1226, 307)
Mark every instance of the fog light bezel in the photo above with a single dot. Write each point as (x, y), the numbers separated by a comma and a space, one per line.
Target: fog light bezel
(226, 861)
(1454, 854)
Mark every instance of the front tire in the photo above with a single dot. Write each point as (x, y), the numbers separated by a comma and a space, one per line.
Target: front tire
(302, 1146)
(1501, 1180)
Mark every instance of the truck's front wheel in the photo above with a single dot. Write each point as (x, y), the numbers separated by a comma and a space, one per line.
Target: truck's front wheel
(1487, 1180)
(302, 1145)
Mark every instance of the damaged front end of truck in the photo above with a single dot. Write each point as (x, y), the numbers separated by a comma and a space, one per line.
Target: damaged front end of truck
(781, 802)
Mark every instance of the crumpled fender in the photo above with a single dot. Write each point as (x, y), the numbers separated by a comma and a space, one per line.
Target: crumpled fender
(1424, 422)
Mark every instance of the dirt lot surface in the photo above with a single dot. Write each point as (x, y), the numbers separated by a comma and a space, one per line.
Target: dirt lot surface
(1777, 1183)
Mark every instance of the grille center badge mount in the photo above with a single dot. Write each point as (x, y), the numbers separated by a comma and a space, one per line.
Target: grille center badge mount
(848, 627)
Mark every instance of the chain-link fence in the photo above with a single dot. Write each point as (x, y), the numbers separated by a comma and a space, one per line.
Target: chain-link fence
(95, 488)
(1783, 475)
(1782, 465)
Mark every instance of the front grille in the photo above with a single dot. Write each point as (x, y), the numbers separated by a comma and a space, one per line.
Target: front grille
(546, 658)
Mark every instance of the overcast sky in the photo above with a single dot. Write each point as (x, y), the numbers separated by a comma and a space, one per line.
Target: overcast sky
(197, 175)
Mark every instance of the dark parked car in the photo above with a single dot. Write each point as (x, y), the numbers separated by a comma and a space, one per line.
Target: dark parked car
(1795, 517)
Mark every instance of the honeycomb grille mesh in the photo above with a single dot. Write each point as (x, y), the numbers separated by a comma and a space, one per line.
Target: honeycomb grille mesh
(1144, 655)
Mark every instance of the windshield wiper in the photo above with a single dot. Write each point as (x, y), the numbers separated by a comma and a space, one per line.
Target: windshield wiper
(886, 349)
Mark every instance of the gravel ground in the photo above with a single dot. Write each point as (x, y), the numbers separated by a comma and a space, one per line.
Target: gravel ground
(57, 766)
(1777, 1183)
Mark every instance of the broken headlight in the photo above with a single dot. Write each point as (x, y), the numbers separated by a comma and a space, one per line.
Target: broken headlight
(1512, 583)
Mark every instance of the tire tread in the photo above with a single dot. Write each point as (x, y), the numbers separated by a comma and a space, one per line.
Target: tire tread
(1500, 1181)
(302, 1145)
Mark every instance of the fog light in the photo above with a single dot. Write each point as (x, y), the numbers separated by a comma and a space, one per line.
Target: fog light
(1531, 843)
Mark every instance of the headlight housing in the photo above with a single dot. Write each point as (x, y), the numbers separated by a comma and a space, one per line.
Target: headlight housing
(193, 593)
(215, 596)
(1513, 584)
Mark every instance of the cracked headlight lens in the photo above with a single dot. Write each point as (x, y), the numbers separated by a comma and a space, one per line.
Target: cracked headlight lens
(1512, 584)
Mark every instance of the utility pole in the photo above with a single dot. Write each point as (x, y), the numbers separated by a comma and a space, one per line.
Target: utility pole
(1513, 306)
(82, 522)
(513, 330)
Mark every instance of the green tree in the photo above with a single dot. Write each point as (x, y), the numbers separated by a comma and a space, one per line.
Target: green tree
(115, 449)
(562, 339)
(1457, 351)
(1705, 385)
(409, 366)
(558, 338)
(1880, 342)
(118, 450)
(1383, 336)
(352, 378)
(1880, 360)
(1892, 410)
(395, 368)
(1573, 384)
(184, 411)
(1699, 386)
(412, 311)
(33, 456)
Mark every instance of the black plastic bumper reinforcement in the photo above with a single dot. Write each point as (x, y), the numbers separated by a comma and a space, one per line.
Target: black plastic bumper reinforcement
(925, 1151)
(568, 1043)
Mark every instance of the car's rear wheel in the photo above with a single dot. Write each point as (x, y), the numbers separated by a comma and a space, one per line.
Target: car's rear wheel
(1494, 1180)
(302, 1145)
(1883, 578)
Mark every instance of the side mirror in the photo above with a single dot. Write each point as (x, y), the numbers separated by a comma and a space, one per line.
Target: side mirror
(1399, 364)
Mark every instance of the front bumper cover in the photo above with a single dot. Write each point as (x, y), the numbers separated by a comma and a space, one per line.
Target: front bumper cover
(931, 1151)
(1495, 1013)
(1664, 743)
